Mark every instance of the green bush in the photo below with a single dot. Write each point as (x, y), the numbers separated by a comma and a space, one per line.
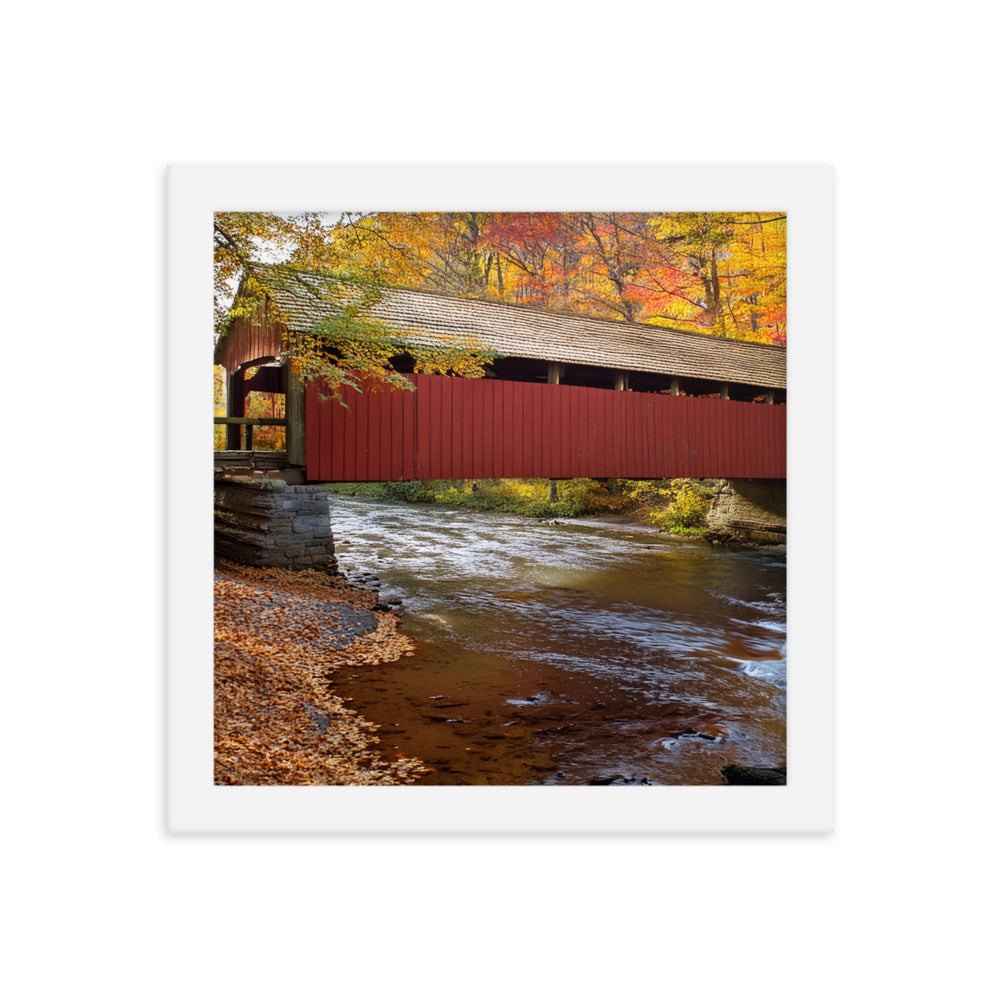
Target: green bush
(685, 514)
(594, 496)
(412, 491)
(554, 508)
(376, 490)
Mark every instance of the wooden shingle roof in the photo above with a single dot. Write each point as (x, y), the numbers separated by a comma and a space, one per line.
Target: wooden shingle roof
(428, 318)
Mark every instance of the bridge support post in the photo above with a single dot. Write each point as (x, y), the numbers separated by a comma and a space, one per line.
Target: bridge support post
(555, 374)
(235, 407)
(295, 415)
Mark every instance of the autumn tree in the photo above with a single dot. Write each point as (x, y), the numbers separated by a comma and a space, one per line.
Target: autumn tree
(347, 347)
(715, 273)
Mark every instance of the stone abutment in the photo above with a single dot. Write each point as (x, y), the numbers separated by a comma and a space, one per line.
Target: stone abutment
(267, 522)
(748, 511)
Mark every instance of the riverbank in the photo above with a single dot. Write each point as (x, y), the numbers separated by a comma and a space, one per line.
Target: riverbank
(280, 639)
(673, 506)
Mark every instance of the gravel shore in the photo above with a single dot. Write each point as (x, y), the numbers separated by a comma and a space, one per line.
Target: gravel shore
(280, 638)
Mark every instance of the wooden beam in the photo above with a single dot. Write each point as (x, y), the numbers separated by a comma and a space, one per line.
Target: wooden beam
(267, 379)
(295, 411)
(235, 407)
(556, 371)
(723, 390)
(621, 381)
(264, 359)
(243, 421)
(675, 386)
(241, 428)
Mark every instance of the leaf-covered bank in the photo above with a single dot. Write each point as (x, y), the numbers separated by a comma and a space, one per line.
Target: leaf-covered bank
(677, 506)
(280, 638)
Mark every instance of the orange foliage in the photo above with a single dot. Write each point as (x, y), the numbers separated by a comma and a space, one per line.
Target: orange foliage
(719, 273)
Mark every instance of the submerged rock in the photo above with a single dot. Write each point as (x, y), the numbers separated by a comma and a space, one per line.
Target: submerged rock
(735, 774)
(620, 779)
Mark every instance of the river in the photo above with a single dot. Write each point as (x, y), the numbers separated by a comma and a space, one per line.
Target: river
(567, 653)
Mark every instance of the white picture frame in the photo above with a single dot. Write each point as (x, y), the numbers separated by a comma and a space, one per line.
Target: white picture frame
(805, 804)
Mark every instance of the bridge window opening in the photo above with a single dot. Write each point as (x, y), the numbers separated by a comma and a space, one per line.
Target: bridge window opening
(703, 388)
(739, 393)
(652, 382)
(256, 390)
(402, 363)
(521, 370)
(272, 406)
(744, 393)
(590, 376)
(513, 369)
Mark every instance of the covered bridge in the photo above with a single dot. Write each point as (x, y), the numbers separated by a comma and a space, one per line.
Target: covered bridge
(567, 396)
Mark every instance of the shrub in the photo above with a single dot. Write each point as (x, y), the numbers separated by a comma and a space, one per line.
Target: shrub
(648, 492)
(554, 508)
(376, 490)
(412, 491)
(687, 507)
(594, 497)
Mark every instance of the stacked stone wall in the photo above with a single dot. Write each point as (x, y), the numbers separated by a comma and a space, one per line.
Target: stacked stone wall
(267, 522)
(748, 510)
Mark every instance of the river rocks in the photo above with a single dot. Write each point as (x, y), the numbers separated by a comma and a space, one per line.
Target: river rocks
(735, 774)
(712, 733)
(542, 698)
(621, 779)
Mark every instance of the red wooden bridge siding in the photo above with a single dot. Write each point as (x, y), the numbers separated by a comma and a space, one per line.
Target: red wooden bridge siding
(453, 428)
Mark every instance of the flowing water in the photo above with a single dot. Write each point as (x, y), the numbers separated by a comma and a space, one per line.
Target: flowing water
(570, 652)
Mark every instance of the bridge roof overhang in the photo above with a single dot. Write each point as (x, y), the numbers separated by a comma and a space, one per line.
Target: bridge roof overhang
(432, 319)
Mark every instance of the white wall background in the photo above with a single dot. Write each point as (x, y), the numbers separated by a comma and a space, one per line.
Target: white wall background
(900, 900)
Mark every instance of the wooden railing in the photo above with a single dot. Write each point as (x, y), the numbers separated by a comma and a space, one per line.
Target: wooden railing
(246, 426)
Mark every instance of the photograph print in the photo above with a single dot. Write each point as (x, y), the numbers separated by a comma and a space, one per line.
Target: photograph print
(499, 498)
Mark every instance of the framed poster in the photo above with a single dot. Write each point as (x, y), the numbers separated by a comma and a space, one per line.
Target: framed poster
(566, 675)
